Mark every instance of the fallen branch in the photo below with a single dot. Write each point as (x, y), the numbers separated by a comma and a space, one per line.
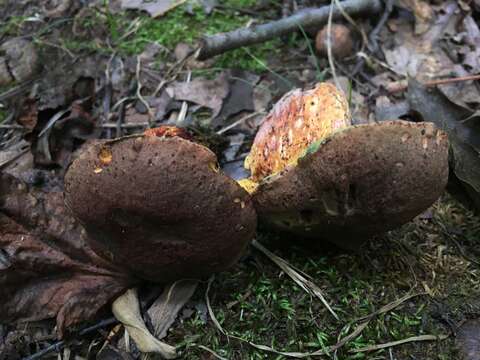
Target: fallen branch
(220, 43)
(402, 85)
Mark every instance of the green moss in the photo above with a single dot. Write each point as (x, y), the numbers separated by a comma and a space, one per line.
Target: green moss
(12, 26)
(179, 26)
(259, 303)
(3, 115)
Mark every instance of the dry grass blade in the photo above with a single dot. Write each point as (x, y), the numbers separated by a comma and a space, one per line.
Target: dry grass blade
(301, 280)
(390, 306)
(358, 330)
(211, 352)
(400, 342)
(329, 46)
(239, 121)
(209, 307)
(353, 23)
(215, 321)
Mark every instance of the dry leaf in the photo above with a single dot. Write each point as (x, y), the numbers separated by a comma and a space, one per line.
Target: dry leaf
(207, 93)
(155, 8)
(126, 309)
(46, 269)
(165, 309)
(464, 138)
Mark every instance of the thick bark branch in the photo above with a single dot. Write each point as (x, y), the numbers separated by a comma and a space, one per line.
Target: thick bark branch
(220, 43)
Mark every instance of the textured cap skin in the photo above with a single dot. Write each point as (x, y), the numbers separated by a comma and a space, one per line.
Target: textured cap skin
(361, 181)
(296, 121)
(159, 206)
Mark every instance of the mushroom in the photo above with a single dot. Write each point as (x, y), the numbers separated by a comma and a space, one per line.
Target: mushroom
(158, 204)
(341, 41)
(329, 179)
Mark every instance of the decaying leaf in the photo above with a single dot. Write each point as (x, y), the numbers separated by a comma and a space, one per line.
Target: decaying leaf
(20, 59)
(423, 14)
(126, 309)
(46, 268)
(204, 92)
(468, 340)
(464, 136)
(164, 310)
(53, 141)
(240, 96)
(155, 8)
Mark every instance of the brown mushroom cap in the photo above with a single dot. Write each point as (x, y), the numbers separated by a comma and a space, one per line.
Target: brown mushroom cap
(341, 41)
(160, 206)
(360, 181)
(299, 119)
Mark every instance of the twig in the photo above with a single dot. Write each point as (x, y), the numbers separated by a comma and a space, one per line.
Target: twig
(220, 43)
(239, 121)
(60, 344)
(329, 46)
(184, 108)
(374, 35)
(403, 85)
(13, 158)
(139, 90)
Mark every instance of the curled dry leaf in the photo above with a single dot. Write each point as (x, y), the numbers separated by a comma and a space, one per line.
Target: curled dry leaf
(126, 309)
(463, 130)
(46, 268)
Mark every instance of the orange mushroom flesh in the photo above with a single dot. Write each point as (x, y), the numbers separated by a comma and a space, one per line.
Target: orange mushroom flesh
(298, 120)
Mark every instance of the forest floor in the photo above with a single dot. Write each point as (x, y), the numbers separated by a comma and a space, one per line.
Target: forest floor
(432, 263)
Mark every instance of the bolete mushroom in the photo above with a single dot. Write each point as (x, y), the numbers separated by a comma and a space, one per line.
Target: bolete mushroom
(158, 204)
(316, 175)
(341, 41)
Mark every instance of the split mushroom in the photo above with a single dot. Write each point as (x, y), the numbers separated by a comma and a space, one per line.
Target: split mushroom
(316, 175)
(160, 206)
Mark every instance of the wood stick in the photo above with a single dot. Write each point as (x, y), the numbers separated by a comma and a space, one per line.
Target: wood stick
(402, 85)
(222, 42)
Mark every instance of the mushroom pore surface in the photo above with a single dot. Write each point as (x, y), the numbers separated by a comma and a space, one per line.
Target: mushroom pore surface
(160, 207)
(360, 181)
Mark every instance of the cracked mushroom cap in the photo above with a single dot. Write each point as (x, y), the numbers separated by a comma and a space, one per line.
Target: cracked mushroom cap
(160, 206)
(298, 120)
(357, 182)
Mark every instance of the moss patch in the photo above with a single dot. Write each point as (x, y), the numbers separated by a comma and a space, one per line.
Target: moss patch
(259, 303)
(176, 26)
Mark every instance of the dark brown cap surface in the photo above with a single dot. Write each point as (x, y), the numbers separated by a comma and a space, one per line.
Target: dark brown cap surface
(160, 207)
(360, 181)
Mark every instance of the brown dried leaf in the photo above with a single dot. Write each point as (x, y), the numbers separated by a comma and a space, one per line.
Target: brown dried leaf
(46, 268)
(154, 8)
(207, 93)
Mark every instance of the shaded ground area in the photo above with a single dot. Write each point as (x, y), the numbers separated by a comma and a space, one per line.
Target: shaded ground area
(104, 72)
